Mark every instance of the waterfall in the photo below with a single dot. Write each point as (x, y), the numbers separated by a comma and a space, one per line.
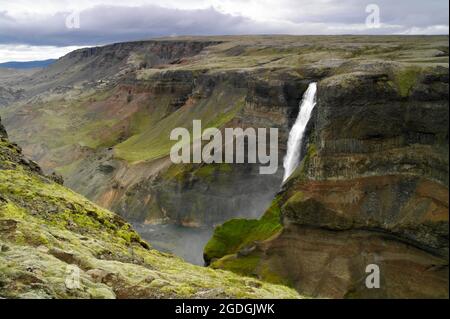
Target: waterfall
(292, 158)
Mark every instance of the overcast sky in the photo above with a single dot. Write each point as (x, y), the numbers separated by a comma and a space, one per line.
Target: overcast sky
(35, 30)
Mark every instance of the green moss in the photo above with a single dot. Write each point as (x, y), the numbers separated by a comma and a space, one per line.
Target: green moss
(406, 78)
(301, 172)
(10, 210)
(208, 171)
(235, 234)
(101, 293)
(154, 141)
(60, 206)
(127, 235)
(184, 291)
(245, 265)
(267, 274)
(296, 198)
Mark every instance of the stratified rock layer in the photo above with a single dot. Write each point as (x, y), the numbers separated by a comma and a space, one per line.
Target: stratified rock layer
(372, 188)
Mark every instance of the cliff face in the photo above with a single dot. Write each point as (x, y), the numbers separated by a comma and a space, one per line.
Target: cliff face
(89, 67)
(8, 77)
(54, 243)
(3, 134)
(372, 188)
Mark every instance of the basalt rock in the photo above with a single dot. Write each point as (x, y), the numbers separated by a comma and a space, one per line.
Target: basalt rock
(2, 131)
(372, 189)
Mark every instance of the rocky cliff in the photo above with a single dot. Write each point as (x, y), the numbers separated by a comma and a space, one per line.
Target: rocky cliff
(3, 134)
(372, 188)
(8, 78)
(55, 243)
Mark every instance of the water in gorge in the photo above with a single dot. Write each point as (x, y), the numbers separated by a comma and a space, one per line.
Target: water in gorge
(185, 242)
(292, 158)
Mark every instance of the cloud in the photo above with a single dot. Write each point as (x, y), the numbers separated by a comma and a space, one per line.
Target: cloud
(24, 52)
(430, 30)
(103, 21)
(105, 24)
(407, 13)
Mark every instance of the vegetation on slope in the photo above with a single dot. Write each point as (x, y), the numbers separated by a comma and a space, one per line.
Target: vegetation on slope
(235, 246)
(240, 234)
(153, 141)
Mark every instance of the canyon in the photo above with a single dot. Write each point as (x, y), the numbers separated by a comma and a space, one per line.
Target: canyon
(371, 187)
(55, 243)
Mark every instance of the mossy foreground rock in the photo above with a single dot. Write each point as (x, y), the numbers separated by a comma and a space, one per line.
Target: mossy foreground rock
(372, 189)
(55, 243)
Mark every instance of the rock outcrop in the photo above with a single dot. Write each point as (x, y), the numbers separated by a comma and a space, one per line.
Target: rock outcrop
(8, 95)
(3, 134)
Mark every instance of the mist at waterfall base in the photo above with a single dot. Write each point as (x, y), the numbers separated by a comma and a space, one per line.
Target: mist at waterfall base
(293, 154)
(247, 194)
(185, 242)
